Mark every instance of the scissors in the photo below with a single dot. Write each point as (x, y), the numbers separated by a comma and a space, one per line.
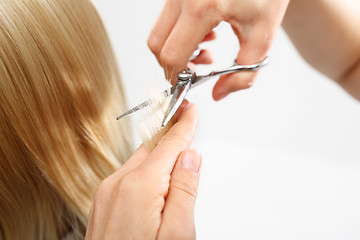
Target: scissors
(187, 80)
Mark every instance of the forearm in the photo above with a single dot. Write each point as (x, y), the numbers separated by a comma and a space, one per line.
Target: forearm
(327, 35)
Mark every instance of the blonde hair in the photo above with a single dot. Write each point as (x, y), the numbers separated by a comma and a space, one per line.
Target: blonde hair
(150, 129)
(59, 93)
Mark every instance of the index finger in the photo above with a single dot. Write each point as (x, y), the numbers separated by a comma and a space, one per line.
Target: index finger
(190, 29)
(179, 138)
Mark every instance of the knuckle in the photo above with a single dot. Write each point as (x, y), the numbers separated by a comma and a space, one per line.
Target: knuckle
(267, 43)
(199, 9)
(169, 57)
(129, 183)
(153, 44)
(103, 188)
(103, 192)
(264, 45)
(244, 85)
(247, 86)
(242, 81)
(187, 185)
(143, 181)
(175, 139)
(154, 179)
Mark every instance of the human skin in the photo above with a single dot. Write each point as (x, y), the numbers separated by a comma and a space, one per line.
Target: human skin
(152, 195)
(183, 24)
(326, 33)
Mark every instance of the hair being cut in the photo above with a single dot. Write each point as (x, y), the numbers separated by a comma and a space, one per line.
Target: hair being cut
(59, 93)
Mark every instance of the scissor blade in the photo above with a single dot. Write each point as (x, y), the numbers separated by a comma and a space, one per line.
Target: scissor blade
(148, 102)
(175, 103)
(134, 109)
(172, 103)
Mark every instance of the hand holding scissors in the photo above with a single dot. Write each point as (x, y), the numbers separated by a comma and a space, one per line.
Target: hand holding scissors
(187, 80)
(183, 25)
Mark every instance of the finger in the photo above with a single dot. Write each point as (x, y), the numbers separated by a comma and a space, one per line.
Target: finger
(184, 39)
(184, 106)
(106, 191)
(209, 37)
(253, 49)
(178, 214)
(232, 83)
(163, 26)
(205, 57)
(192, 66)
(133, 162)
(162, 158)
(137, 158)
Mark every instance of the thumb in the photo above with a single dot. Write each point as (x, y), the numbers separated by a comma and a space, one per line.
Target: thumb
(178, 214)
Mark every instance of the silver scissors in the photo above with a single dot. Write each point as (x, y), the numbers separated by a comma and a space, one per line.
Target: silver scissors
(188, 79)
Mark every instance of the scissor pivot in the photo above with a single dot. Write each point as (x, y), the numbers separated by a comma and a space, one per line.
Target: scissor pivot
(184, 75)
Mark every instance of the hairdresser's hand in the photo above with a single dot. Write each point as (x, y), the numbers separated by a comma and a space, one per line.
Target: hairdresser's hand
(153, 194)
(183, 24)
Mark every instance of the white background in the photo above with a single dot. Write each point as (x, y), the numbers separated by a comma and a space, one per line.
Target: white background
(281, 160)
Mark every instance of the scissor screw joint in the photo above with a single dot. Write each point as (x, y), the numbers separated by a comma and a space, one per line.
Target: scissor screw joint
(185, 76)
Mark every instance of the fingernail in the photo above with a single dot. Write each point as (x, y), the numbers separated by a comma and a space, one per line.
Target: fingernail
(183, 107)
(187, 106)
(191, 160)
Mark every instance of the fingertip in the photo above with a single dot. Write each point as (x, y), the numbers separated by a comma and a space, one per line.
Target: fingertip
(183, 106)
(220, 95)
(192, 66)
(220, 90)
(209, 37)
(205, 57)
(189, 113)
(176, 140)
